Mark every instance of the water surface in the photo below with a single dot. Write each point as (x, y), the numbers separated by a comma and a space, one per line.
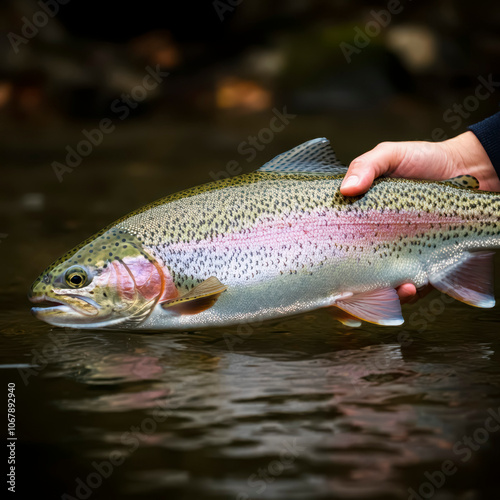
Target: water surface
(303, 408)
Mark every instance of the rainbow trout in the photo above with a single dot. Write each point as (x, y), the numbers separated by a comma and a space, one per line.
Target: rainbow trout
(277, 242)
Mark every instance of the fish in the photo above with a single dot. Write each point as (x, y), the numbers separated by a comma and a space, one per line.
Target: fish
(277, 242)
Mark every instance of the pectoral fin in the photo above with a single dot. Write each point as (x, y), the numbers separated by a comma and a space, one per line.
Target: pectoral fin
(381, 307)
(200, 298)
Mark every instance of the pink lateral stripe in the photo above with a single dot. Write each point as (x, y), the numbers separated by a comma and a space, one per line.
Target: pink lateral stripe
(345, 228)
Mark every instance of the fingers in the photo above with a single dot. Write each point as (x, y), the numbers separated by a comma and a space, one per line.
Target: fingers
(406, 292)
(359, 177)
(364, 169)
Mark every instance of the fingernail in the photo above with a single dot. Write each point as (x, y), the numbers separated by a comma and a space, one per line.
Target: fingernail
(351, 181)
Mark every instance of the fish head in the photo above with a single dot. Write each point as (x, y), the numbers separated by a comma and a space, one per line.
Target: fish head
(107, 281)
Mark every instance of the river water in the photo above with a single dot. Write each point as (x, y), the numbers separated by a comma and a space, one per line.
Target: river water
(302, 408)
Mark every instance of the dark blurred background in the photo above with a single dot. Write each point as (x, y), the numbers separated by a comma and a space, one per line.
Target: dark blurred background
(106, 106)
(357, 72)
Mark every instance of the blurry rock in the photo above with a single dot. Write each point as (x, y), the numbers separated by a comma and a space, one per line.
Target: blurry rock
(416, 45)
(243, 95)
(54, 70)
(5, 93)
(156, 47)
(33, 202)
(264, 63)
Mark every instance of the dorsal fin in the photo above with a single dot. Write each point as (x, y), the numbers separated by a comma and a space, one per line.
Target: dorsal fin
(465, 181)
(314, 157)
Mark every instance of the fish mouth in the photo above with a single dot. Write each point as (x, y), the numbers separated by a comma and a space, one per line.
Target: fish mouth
(74, 309)
(48, 307)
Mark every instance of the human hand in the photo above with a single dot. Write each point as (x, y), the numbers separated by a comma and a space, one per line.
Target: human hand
(460, 155)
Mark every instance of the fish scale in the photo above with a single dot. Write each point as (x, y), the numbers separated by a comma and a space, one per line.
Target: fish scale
(201, 220)
(284, 240)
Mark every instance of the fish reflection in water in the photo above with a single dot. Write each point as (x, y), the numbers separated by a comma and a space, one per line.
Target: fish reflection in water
(356, 416)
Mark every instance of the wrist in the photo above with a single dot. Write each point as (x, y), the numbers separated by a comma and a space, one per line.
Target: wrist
(469, 157)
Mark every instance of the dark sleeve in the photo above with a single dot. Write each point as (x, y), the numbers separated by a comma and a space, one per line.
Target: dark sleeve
(488, 133)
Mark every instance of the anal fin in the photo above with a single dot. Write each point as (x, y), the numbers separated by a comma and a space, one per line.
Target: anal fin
(470, 281)
(200, 298)
(381, 306)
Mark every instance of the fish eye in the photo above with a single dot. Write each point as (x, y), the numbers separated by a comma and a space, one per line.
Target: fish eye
(76, 277)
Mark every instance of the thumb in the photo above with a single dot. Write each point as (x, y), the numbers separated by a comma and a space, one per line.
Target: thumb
(364, 169)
